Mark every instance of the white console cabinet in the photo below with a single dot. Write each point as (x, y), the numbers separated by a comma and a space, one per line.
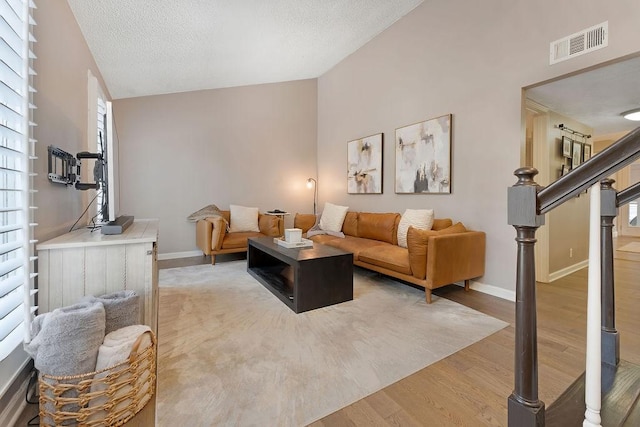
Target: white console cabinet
(85, 262)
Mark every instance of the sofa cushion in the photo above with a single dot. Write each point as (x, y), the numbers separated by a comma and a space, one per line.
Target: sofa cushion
(238, 239)
(333, 217)
(417, 242)
(416, 218)
(323, 238)
(350, 225)
(387, 256)
(355, 245)
(378, 226)
(458, 227)
(243, 219)
(442, 223)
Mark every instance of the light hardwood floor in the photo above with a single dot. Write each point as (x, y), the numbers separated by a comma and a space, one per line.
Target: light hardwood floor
(470, 387)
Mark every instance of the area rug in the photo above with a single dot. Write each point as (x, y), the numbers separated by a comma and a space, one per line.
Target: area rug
(231, 353)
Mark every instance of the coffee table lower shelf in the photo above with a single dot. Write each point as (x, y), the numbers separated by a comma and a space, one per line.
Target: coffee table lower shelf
(302, 278)
(273, 280)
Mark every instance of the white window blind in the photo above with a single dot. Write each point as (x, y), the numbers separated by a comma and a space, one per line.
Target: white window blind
(17, 152)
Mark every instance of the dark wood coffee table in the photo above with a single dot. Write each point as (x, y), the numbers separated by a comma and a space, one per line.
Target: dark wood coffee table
(302, 278)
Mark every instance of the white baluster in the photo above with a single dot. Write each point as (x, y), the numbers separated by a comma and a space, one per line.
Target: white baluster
(592, 383)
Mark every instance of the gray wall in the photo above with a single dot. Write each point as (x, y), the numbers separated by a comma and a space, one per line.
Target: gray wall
(569, 223)
(471, 59)
(62, 100)
(251, 146)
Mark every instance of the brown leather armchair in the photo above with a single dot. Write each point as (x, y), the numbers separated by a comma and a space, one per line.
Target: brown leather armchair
(213, 239)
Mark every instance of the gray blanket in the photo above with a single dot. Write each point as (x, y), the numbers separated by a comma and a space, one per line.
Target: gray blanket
(315, 230)
(66, 340)
(206, 212)
(121, 309)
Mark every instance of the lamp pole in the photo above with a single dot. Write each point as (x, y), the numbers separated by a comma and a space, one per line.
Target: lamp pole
(312, 182)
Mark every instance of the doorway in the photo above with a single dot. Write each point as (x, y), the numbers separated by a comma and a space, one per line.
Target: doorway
(628, 214)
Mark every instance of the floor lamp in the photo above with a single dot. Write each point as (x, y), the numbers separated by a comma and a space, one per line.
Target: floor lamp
(313, 183)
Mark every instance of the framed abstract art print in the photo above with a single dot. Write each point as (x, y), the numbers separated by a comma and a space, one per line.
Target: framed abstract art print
(364, 165)
(423, 157)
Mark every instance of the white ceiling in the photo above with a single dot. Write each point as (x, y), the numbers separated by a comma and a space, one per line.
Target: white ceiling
(597, 97)
(166, 46)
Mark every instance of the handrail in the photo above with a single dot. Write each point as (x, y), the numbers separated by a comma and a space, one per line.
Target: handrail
(618, 155)
(627, 195)
(527, 204)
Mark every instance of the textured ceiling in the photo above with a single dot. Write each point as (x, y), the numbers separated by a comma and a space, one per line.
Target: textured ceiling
(145, 47)
(597, 97)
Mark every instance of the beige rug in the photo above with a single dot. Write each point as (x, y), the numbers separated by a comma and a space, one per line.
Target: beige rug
(231, 353)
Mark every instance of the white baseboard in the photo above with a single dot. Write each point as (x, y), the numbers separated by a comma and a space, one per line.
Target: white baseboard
(491, 290)
(568, 270)
(176, 255)
(9, 415)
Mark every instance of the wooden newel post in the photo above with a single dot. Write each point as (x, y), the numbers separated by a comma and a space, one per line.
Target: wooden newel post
(608, 211)
(525, 409)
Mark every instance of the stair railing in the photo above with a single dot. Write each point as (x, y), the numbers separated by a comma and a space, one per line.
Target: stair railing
(527, 204)
(610, 341)
(611, 201)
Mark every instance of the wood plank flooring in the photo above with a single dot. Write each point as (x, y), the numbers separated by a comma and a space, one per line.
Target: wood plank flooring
(470, 387)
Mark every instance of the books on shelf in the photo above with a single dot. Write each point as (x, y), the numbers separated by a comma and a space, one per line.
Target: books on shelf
(304, 243)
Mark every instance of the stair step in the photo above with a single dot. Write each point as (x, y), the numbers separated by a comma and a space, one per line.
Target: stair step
(620, 393)
(633, 420)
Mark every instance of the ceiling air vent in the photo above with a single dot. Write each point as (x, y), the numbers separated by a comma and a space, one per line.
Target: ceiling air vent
(579, 43)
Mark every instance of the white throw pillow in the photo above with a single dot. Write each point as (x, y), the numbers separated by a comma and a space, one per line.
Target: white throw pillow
(416, 218)
(333, 217)
(243, 218)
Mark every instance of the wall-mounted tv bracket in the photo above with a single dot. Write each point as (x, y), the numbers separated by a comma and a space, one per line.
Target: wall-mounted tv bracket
(62, 166)
(65, 169)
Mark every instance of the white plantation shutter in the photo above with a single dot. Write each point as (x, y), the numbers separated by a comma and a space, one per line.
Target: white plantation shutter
(17, 152)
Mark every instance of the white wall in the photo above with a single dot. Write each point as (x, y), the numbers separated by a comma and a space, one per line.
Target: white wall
(471, 59)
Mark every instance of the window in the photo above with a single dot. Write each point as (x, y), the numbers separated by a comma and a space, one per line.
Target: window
(17, 148)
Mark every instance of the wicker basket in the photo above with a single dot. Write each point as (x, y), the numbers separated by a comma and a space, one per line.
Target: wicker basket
(109, 397)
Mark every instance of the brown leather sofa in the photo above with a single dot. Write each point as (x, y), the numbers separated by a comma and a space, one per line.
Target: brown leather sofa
(447, 254)
(213, 239)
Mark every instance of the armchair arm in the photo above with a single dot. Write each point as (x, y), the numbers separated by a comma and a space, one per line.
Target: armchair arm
(304, 221)
(219, 229)
(455, 257)
(209, 234)
(203, 236)
(270, 225)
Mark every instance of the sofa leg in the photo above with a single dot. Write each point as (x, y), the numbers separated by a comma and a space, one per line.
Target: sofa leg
(427, 293)
(213, 259)
(466, 284)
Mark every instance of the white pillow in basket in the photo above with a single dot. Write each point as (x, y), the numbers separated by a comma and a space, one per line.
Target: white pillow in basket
(243, 218)
(417, 218)
(333, 217)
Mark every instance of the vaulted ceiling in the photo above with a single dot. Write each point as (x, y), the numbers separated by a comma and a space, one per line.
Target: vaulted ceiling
(165, 46)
